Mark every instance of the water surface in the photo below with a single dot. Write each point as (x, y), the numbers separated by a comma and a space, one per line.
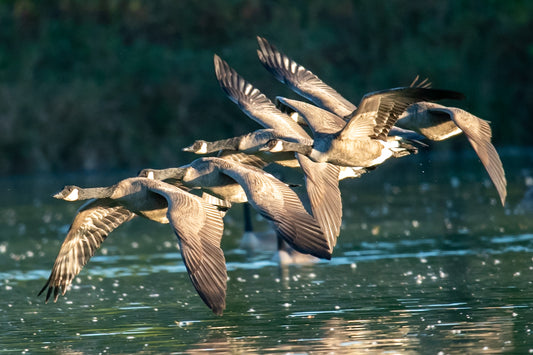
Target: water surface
(428, 261)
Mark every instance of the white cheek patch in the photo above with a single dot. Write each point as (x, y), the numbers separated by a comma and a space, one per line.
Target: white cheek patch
(73, 195)
(278, 147)
(203, 148)
(150, 175)
(294, 116)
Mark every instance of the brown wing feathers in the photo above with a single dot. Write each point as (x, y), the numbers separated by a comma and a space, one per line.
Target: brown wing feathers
(90, 228)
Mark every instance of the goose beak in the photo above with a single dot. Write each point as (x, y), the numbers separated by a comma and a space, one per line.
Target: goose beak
(188, 149)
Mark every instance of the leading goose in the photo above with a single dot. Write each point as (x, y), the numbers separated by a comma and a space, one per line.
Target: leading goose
(197, 225)
(274, 200)
(435, 122)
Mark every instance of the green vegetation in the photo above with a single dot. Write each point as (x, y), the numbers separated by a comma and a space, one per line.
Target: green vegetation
(125, 84)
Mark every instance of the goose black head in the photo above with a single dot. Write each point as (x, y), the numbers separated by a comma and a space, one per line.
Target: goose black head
(69, 193)
(198, 147)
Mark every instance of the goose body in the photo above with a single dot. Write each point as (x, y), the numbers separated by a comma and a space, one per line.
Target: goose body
(364, 141)
(273, 199)
(197, 225)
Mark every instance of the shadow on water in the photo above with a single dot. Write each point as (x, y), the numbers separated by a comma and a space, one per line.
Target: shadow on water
(427, 261)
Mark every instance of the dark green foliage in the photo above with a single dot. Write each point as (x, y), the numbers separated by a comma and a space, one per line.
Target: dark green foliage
(125, 84)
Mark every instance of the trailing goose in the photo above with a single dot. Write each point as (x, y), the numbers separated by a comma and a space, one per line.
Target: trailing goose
(274, 200)
(438, 122)
(328, 208)
(435, 122)
(197, 225)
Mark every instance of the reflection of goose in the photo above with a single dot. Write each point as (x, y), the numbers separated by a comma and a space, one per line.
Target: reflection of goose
(268, 241)
(253, 241)
(321, 179)
(274, 200)
(526, 204)
(197, 225)
(434, 121)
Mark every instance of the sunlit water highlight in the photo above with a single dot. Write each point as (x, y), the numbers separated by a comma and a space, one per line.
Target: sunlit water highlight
(427, 262)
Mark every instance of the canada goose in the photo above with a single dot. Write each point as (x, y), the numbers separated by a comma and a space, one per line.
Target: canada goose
(197, 225)
(364, 140)
(259, 108)
(435, 122)
(438, 122)
(273, 199)
(328, 209)
(308, 85)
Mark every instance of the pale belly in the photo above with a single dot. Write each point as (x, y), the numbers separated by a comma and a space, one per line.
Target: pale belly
(158, 215)
(233, 193)
(354, 152)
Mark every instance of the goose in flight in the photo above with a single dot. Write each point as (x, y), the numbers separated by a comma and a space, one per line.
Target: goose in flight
(438, 122)
(435, 122)
(197, 225)
(273, 199)
(364, 141)
(325, 200)
(260, 109)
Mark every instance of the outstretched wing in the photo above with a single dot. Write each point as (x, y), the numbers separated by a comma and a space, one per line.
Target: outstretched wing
(378, 111)
(199, 227)
(91, 226)
(301, 80)
(278, 203)
(322, 186)
(479, 135)
(255, 104)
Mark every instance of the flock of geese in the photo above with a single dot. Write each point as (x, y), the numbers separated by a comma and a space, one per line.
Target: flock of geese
(328, 138)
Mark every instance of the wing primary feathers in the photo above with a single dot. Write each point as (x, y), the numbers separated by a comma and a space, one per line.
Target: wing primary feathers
(89, 229)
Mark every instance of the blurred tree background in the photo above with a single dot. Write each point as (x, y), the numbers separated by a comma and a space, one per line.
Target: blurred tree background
(93, 85)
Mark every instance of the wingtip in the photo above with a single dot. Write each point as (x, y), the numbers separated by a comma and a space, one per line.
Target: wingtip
(42, 290)
(218, 62)
(219, 311)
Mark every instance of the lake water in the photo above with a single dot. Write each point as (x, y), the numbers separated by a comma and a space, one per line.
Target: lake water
(428, 261)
